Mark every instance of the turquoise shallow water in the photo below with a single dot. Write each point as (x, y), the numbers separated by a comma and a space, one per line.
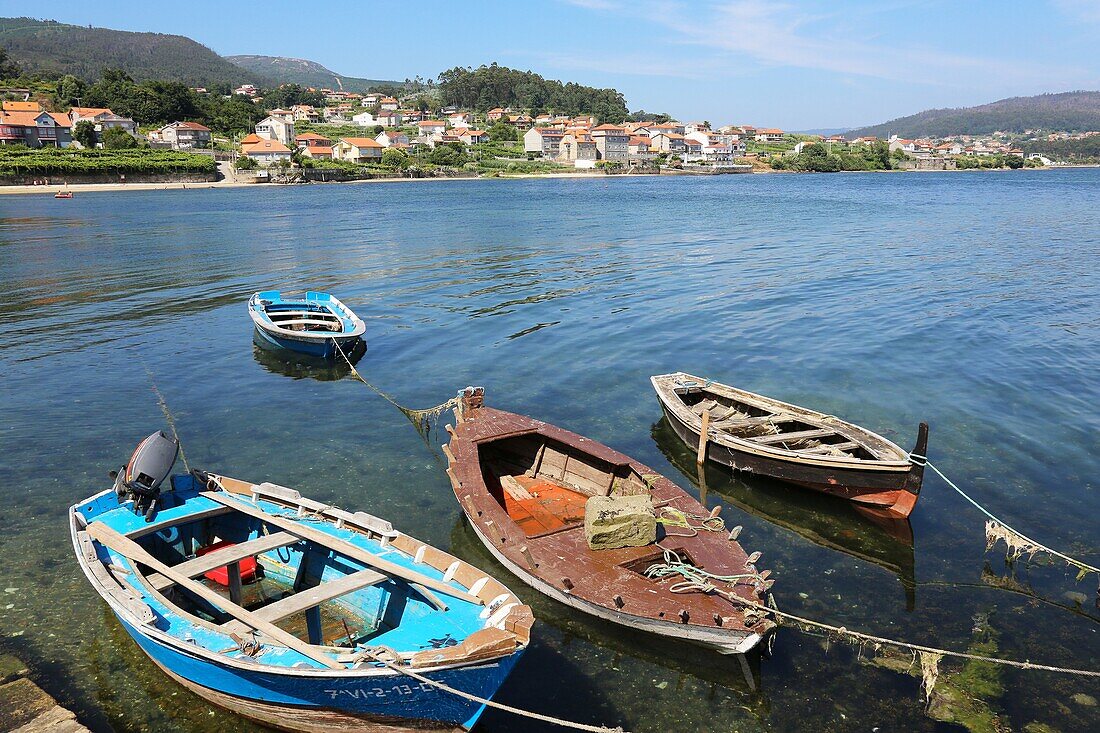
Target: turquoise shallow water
(969, 300)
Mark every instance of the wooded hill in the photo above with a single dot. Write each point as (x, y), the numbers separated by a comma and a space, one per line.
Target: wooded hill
(1068, 111)
(492, 86)
(308, 73)
(50, 48)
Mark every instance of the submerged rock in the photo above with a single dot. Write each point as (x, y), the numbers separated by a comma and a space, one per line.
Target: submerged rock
(1082, 699)
(619, 521)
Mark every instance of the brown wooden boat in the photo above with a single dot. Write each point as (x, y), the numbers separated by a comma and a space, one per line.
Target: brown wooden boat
(523, 485)
(754, 433)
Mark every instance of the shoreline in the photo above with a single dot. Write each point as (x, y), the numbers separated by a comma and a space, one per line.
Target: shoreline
(50, 190)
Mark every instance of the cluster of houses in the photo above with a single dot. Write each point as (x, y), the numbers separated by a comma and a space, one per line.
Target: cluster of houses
(27, 123)
(275, 139)
(581, 142)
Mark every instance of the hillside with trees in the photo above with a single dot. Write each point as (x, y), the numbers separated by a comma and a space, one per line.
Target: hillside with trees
(1068, 111)
(53, 49)
(285, 70)
(492, 86)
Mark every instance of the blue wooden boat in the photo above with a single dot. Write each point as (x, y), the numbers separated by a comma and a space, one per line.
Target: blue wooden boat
(295, 614)
(313, 324)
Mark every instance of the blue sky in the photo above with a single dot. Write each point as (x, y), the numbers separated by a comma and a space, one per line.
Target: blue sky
(795, 65)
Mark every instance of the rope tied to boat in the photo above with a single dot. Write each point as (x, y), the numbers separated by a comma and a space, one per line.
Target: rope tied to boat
(670, 516)
(421, 419)
(377, 654)
(695, 580)
(996, 530)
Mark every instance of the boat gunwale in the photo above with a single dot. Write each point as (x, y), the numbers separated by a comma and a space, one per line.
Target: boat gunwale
(666, 394)
(164, 638)
(261, 319)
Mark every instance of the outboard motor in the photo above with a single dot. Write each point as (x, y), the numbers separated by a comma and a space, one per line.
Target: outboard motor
(140, 479)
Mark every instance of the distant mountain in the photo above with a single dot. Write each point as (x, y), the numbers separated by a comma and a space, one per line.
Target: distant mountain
(1068, 111)
(823, 131)
(307, 73)
(51, 48)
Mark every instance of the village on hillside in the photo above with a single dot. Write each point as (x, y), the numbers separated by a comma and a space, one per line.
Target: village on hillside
(355, 135)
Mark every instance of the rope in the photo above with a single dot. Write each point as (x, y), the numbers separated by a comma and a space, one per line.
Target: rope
(420, 418)
(163, 404)
(376, 655)
(693, 585)
(1017, 542)
(679, 518)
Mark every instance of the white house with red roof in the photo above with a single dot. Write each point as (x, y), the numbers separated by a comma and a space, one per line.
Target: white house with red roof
(185, 135)
(357, 150)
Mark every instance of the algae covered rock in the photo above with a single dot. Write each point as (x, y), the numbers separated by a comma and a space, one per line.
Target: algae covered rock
(619, 521)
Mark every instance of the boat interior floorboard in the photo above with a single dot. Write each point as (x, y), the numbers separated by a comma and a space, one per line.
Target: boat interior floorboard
(538, 505)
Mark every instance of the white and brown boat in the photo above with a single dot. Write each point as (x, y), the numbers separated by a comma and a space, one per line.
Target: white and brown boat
(761, 435)
(523, 485)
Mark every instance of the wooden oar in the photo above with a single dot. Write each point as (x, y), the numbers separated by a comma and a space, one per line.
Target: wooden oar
(136, 553)
(343, 547)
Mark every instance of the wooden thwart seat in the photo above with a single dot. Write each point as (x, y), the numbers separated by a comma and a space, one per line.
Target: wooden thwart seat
(318, 314)
(826, 449)
(789, 437)
(235, 553)
(306, 322)
(308, 598)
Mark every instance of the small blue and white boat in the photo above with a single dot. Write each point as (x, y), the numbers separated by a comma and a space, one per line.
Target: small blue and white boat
(313, 324)
(292, 613)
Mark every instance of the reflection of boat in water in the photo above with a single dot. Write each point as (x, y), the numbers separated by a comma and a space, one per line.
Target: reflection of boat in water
(278, 360)
(824, 520)
(740, 674)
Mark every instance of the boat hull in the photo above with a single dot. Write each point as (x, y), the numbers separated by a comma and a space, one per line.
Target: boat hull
(320, 347)
(719, 640)
(876, 489)
(324, 703)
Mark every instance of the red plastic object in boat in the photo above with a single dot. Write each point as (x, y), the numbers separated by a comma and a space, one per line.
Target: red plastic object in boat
(221, 575)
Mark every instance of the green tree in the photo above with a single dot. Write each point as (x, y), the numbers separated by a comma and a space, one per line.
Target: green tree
(449, 154)
(115, 138)
(244, 163)
(84, 133)
(502, 131)
(394, 158)
(8, 68)
(1014, 161)
(70, 89)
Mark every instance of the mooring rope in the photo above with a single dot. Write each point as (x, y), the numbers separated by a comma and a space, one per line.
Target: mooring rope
(163, 404)
(376, 656)
(699, 581)
(1017, 542)
(419, 418)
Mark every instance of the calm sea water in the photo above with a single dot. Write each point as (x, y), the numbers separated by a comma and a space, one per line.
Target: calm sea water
(970, 300)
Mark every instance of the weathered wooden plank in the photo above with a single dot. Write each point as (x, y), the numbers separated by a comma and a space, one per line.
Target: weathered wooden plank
(341, 546)
(225, 556)
(318, 594)
(791, 437)
(826, 449)
(195, 517)
(136, 553)
(704, 436)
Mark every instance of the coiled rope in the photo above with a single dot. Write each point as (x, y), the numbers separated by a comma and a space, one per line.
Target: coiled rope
(377, 655)
(1017, 542)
